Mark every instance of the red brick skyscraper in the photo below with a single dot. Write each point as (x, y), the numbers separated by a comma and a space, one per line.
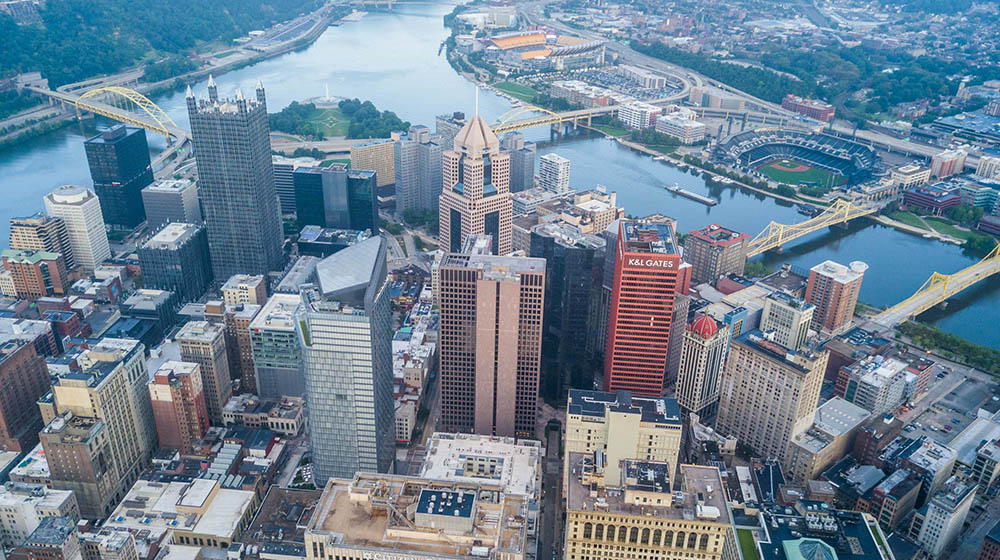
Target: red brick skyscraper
(642, 303)
(833, 288)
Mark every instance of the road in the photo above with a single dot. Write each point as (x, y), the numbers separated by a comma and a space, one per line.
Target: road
(288, 470)
(550, 542)
(332, 146)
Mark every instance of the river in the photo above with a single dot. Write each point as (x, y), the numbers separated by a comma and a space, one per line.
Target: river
(392, 59)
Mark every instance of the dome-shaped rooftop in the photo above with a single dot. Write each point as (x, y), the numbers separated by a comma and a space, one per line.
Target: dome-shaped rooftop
(704, 326)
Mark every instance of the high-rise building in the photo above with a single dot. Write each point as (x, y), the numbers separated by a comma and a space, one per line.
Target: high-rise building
(179, 409)
(171, 200)
(622, 427)
(702, 358)
(39, 232)
(418, 170)
(26, 505)
(36, 274)
(277, 356)
(787, 318)
(336, 197)
(833, 288)
(24, 379)
(120, 167)
(948, 163)
(826, 441)
(237, 319)
(377, 156)
(675, 342)
(715, 251)
(646, 265)
(522, 161)
(769, 393)
(874, 383)
(55, 538)
(345, 329)
(553, 173)
(242, 289)
(232, 147)
(989, 167)
(650, 511)
(283, 181)
(80, 210)
(573, 263)
(475, 198)
(447, 127)
(204, 343)
(108, 401)
(937, 528)
(490, 340)
(177, 259)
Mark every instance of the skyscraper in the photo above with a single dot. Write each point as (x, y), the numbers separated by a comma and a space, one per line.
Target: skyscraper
(171, 200)
(39, 232)
(109, 389)
(25, 379)
(833, 288)
(336, 197)
(345, 329)
(787, 319)
(418, 170)
(204, 343)
(490, 340)
(377, 156)
(36, 274)
(715, 251)
(80, 210)
(176, 259)
(120, 167)
(553, 173)
(475, 198)
(769, 393)
(236, 182)
(702, 356)
(646, 264)
(573, 264)
(522, 161)
(277, 356)
(179, 408)
(447, 127)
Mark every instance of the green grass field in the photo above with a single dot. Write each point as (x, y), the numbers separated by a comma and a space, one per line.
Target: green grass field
(333, 122)
(524, 93)
(809, 175)
(747, 546)
(611, 130)
(907, 218)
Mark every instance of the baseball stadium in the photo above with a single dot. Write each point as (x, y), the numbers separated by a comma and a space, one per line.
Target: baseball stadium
(799, 157)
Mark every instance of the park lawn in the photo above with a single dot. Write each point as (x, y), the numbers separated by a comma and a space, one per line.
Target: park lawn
(907, 218)
(332, 120)
(812, 175)
(611, 130)
(661, 148)
(524, 93)
(747, 546)
(947, 228)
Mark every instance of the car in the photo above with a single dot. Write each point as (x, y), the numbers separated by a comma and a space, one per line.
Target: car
(956, 421)
(947, 428)
(940, 376)
(933, 428)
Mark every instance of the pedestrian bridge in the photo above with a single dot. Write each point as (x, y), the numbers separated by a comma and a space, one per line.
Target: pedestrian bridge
(775, 235)
(938, 288)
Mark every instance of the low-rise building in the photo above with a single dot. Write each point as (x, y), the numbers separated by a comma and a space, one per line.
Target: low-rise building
(638, 115)
(875, 383)
(829, 439)
(685, 130)
(24, 506)
(936, 527)
(284, 415)
(473, 458)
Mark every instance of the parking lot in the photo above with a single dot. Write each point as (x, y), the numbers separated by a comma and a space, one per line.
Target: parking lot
(955, 410)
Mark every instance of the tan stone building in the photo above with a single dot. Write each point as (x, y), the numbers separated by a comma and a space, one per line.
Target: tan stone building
(649, 515)
(204, 343)
(826, 441)
(490, 340)
(703, 354)
(39, 232)
(769, 393)
(242, 289)
(475, 198)
(378, 156)
(622, 427)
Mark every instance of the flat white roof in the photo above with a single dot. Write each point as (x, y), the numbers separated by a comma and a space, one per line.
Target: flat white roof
(518, 472)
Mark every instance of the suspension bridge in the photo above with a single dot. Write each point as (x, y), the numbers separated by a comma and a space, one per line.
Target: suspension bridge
(938, 288)
(775, 235)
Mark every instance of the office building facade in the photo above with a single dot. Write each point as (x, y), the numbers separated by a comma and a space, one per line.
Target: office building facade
(787, 318)
(80, 210)
(120, 167)
(25, 378)
(377, 156)
(336, 197)
(833, 288)
(232, 147)
(769, 393)
(39, 232)
(171, 200)
(418, 170)
(277, 355)
(475, 198)
(646, 265)
(345, 330)
(715, 251)
(553, 173)
(490, 340)
(204, 343)
(703, 356)
(35, 274)
(522, 161)
(179, 409)
(177, 259)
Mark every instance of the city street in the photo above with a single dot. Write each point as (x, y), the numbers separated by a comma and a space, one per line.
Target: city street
(551, 541)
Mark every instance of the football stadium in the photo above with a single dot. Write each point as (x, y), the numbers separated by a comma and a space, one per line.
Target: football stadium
(538, 50)
(799, 157)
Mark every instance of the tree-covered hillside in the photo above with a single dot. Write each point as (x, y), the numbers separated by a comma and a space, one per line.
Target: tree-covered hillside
(83, 38)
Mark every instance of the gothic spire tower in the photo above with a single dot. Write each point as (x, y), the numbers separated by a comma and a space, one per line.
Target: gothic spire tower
(475, 198)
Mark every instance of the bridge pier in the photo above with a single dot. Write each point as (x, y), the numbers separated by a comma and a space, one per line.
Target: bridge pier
(555, 131)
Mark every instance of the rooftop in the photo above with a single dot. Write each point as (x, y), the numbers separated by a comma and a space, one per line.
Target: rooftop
(649, 237)
(840, 273)
(374, 511)
(815, 531)
(27, 256)
(148, 299)
(202, 331)
(569, 235)
(662, 410)
(51, 531)
(170, 185)
(833, 419)
(476, 255)
(172, 236)
(718, 235)
(278, 313)
(514, 464)
(350, 268)
(797, 359)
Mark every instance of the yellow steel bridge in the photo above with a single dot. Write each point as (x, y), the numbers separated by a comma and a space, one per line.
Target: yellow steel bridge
(130, 107)
(775, 235)
(515, 119)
